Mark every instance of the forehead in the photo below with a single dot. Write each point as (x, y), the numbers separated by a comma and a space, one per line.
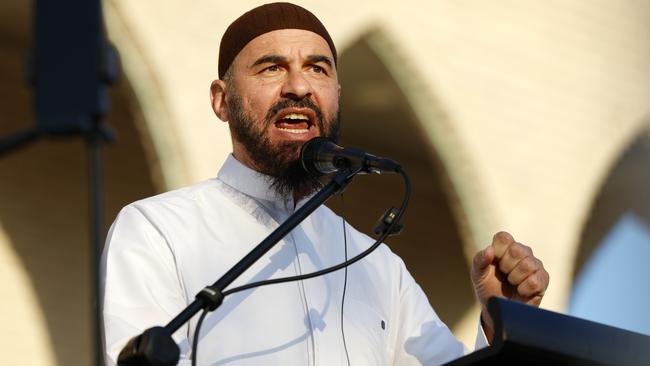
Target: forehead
(284, 42)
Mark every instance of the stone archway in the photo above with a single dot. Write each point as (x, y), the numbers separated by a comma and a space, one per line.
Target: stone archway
(617, 230)
(377, 116)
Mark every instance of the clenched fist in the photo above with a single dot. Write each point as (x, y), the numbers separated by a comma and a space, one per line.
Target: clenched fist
(507, 269)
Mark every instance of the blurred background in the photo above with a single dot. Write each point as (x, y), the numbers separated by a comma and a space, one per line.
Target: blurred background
(526, 116)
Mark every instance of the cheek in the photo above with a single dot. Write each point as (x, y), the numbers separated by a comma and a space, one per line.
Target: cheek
(330, 103)
(256, 107)
(328, 93)
(261, 100)
(255, 91)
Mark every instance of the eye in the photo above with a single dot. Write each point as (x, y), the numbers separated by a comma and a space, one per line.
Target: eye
(272, 68)
(317, 69)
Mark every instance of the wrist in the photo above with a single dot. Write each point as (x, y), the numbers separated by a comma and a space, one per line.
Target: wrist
(487, 324)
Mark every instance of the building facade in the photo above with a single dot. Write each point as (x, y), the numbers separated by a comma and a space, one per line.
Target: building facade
(530, 117)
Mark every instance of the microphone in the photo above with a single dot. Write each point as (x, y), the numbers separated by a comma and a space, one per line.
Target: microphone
(320, 156)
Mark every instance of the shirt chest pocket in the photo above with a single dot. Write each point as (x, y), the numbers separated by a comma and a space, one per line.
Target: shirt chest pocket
(366, 333)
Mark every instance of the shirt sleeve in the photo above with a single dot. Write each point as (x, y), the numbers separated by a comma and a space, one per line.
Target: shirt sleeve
(422, 339)
(140, 283)
(481, 338)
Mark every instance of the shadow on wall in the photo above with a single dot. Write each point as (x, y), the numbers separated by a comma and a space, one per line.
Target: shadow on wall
(44, 206)
(377, 117)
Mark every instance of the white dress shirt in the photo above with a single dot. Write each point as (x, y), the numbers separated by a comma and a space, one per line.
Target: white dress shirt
(161, 251)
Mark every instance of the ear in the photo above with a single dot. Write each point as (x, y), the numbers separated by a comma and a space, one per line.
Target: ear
(218, 99)
(339, 89)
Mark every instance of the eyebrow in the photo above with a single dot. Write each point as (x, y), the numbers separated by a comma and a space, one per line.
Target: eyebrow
(275, 59)
(269, 59)
(320, 58)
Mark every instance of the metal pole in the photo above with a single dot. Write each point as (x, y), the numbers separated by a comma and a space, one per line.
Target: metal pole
(94, 141)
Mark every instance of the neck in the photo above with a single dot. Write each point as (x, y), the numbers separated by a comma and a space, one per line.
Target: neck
(298, 188)
(300, 192)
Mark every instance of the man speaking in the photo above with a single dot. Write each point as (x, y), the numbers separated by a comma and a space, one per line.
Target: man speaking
(277, 89)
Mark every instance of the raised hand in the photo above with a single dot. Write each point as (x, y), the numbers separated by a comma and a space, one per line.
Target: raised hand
(507, 269)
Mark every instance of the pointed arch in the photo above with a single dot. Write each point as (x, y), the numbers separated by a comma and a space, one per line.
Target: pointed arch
(444, 145)
(387, 111)
(623, 189)
(157, 130)
(614, 242)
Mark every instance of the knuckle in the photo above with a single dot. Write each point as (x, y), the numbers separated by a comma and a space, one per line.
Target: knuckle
(528, 250)
(477, 257)
(518, 250)
(523, 288)
(524, 250)
(527, 265)
(503, 237)
(534, 283)
(547, 276)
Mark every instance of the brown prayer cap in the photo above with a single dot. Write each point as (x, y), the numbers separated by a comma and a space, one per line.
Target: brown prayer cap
(264, 19)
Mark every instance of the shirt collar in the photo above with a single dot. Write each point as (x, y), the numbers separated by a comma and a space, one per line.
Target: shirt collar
(248, 181)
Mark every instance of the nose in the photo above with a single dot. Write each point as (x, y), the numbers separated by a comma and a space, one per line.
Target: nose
(296, 86)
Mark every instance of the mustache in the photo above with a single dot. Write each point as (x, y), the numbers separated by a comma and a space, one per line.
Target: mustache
(291, 103)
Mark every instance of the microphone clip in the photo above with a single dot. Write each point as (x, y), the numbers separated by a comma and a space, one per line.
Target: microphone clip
(385, 221)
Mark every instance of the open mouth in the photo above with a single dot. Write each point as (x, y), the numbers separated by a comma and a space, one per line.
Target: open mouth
(295, 121)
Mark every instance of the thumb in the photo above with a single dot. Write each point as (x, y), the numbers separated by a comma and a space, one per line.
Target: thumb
(482, 261)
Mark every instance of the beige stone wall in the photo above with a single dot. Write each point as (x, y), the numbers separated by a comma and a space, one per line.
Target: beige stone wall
(525, 104)
(538, 98)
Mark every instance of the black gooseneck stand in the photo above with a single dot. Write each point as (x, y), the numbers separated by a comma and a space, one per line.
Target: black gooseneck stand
(156, 347)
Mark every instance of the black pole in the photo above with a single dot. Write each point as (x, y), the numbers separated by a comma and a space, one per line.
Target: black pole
(155, 346)
(94, 142)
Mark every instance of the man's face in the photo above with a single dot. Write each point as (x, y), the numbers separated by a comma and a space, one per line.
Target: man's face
(283, 91)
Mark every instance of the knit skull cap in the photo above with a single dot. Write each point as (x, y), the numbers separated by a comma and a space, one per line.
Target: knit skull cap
(264, 19)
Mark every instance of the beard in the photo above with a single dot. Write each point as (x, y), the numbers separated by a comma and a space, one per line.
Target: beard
(280, 161)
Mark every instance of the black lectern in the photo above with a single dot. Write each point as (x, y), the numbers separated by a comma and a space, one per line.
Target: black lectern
(525, 335)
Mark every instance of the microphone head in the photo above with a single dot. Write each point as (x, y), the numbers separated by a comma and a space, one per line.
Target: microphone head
(316, 156)
(320, 156)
